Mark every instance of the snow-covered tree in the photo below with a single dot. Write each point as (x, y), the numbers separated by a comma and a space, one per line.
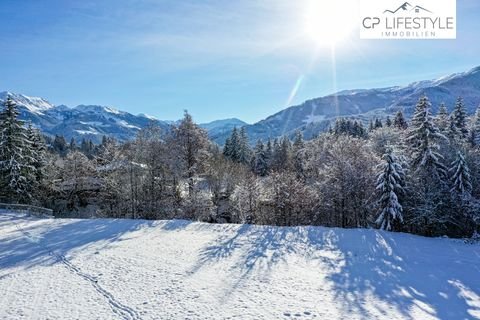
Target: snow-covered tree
(244, 152)
(423, 137)
(388, 122)
(442, 119)
(390, 183)
(190, 142)
(459, 119)
(460, 177)
(399, 121)
(475, 129)
(37, 155)
(260, 165)
(17, 173)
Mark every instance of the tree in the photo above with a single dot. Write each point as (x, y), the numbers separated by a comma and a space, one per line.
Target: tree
(37, 156)
(73, 144)
(388, 122)
(17, 174)
(459, 118)
(442, 119)
(460, 177)
(475, 129)
(423, 138)
(399, 121)
(429, 175)
(260, 165)
(191, 144)
(244, 152)
(60, 145)
(390, 183)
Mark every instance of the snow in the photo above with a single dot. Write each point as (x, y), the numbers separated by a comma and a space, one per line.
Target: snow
(314, 118)
(91, 131)
(33, 104)
(136, 269)
(144, 115)
(125, 124)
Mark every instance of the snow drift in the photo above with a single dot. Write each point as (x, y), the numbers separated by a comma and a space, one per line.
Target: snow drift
(136, 269)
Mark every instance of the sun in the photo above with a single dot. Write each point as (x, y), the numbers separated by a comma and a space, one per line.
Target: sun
(329, 23)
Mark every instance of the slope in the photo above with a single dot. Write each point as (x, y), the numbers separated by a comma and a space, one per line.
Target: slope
(134, 269)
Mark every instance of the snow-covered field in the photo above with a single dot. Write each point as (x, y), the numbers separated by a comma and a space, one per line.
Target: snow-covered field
(124, 269)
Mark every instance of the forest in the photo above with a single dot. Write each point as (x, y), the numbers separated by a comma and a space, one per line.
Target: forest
(420, 175)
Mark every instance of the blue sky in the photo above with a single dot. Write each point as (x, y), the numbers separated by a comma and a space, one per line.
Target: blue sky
(218, 59)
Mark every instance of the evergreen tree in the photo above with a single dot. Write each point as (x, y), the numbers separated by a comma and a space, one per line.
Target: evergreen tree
(73, 144)
(399, 121)
(423, 137)
(390, 183)
(459, 119)
(244, 152)
(16, 170)
(442, 119)
(260, 166)
(370, 126)
(475, 129)
(298, 141)
(388, 122)
(60, 145)
(38, 155)
(460, 177)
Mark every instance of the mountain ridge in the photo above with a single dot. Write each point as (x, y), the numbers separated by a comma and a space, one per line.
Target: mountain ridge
(311, 117)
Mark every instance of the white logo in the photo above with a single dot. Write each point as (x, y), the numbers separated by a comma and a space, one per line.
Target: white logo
(422, 19)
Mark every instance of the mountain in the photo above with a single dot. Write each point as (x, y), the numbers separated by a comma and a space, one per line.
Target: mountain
(83, 121)
(315, 115)
(311, 117)
(219, 128)
(93, 122)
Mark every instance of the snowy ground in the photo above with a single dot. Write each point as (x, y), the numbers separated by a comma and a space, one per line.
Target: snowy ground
(124, 269)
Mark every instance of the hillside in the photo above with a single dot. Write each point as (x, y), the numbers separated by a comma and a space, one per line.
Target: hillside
(311, 117)
(136, 269)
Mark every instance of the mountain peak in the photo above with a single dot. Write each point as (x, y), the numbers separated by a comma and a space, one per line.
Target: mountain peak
(33, 104)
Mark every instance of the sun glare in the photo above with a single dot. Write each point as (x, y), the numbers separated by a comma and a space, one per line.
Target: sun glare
(328, 23)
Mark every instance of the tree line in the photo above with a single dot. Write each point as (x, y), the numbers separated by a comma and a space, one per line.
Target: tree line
(420, 176)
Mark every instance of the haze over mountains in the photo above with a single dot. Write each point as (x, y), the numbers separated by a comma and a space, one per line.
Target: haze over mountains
(311, 117)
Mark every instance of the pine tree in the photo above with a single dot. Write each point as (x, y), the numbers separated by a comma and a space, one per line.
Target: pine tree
(399, 121)
(370, 126)
(475, 129)
(38, 155)
(298, 141)
(390, 183)
(73, 144)
(60, 145)
(244, 152)
(16, 170)
(378, 124)
(388, 122)
(459, 119)
(428, 191)
(227, 148)
(460, 177)
(260, 166)
(442, 119)
(423, 138)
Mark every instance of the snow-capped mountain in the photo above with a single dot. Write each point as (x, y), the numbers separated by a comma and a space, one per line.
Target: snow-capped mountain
(310, 117)
(93, 122)
(83, 121)
(315, 115)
